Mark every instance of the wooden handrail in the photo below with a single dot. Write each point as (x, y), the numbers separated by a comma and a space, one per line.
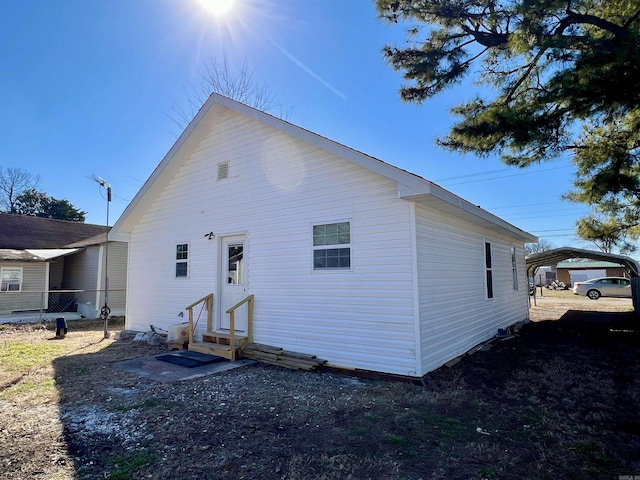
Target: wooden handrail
(209, 301)
(199, 301)
(232, 321)
(240, 303)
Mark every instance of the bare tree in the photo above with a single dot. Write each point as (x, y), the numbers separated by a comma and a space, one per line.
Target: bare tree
(219, 78)
(13, 183)
(541, 245)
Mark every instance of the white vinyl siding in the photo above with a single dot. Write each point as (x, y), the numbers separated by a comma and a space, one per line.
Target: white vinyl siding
(280, 186)
(454, 312)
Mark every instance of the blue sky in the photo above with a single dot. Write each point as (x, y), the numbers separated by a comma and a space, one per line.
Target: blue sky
(87, 87)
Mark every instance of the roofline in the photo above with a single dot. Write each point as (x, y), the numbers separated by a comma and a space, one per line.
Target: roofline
(410, 185)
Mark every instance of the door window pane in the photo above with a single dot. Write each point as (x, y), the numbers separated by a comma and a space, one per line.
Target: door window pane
(235, 274)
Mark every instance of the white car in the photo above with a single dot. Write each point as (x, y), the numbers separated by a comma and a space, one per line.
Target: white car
(603, 287)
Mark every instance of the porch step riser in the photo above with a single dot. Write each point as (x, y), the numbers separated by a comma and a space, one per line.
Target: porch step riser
(208, 348)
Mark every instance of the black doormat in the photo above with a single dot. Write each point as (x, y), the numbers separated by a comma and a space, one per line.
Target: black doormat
(189, 359)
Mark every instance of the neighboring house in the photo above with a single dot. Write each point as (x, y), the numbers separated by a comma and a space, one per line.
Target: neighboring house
(348, 258)
(58, 266)
(544, 276)
(570, 272)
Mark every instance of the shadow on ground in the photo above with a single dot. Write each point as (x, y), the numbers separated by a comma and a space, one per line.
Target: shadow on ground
(558, 400)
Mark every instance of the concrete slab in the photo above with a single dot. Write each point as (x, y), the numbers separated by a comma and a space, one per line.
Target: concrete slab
(164, 372)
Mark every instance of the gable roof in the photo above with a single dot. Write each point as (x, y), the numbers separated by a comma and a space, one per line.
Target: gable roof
(22, 232)
(410, 186)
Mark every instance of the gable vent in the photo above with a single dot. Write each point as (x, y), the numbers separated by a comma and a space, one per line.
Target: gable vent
(223, 171)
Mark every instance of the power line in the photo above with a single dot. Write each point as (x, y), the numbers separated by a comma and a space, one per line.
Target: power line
(555, 230)
(528, 205)
(502, 176)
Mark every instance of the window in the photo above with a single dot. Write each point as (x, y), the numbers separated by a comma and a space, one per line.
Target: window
(11, 279)
(488, 269)
(182, 260)
(514, 268)
(332, 246)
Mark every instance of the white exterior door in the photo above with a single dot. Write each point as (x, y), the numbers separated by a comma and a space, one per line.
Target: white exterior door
(233, 281)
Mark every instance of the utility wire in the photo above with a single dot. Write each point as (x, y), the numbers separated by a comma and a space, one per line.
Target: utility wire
(445, 180)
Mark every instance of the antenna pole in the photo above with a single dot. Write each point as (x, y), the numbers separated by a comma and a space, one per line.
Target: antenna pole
(105, 310)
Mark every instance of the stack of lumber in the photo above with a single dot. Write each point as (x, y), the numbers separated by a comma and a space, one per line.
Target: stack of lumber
(280, 357)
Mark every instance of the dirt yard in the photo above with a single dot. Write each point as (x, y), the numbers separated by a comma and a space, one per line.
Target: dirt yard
(557, 401)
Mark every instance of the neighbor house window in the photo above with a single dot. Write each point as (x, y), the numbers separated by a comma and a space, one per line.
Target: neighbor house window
(332, 246)
(11, 279)
(488, 269)
(182, 260)
(514, 268)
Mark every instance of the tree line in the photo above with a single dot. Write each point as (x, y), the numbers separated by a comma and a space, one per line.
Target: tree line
(19, 195)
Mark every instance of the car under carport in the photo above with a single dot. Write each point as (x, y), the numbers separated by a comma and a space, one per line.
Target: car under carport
(552, 257)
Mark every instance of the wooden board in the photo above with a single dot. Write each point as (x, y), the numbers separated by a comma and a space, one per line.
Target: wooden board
(283, 358)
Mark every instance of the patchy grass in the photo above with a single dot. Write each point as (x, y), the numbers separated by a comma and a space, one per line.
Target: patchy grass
(126, 467)
(17, 356)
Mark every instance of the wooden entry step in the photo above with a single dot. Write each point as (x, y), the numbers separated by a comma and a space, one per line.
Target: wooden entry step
(222, 338)
(217, 349)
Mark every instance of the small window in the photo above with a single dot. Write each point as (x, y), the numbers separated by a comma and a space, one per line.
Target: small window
(223, 171)
(11, 279)
(488, 269)
(514, 268)
(182, 260)
(332, 246)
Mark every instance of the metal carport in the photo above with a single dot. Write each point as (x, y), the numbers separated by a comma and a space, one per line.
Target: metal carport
(552, 257)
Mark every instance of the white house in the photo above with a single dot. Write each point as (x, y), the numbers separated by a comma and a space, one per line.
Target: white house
(348, 258)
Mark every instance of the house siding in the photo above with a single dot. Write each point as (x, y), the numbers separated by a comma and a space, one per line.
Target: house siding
(34, 278)
(82, 271)
(455, 313)
(117, 271)
(278, 188)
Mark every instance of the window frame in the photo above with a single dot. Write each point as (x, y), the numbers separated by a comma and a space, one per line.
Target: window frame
(488, 268)
(2, 271)
(514, 266)
(331, 246)
(185, 260)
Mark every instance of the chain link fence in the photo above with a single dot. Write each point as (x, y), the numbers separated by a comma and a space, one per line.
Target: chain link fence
(40, 306)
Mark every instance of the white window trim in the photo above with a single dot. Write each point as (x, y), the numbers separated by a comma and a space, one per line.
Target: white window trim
(488, 269)
(323, 271)
(187, 260)
(21, 270)
(514, 266)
